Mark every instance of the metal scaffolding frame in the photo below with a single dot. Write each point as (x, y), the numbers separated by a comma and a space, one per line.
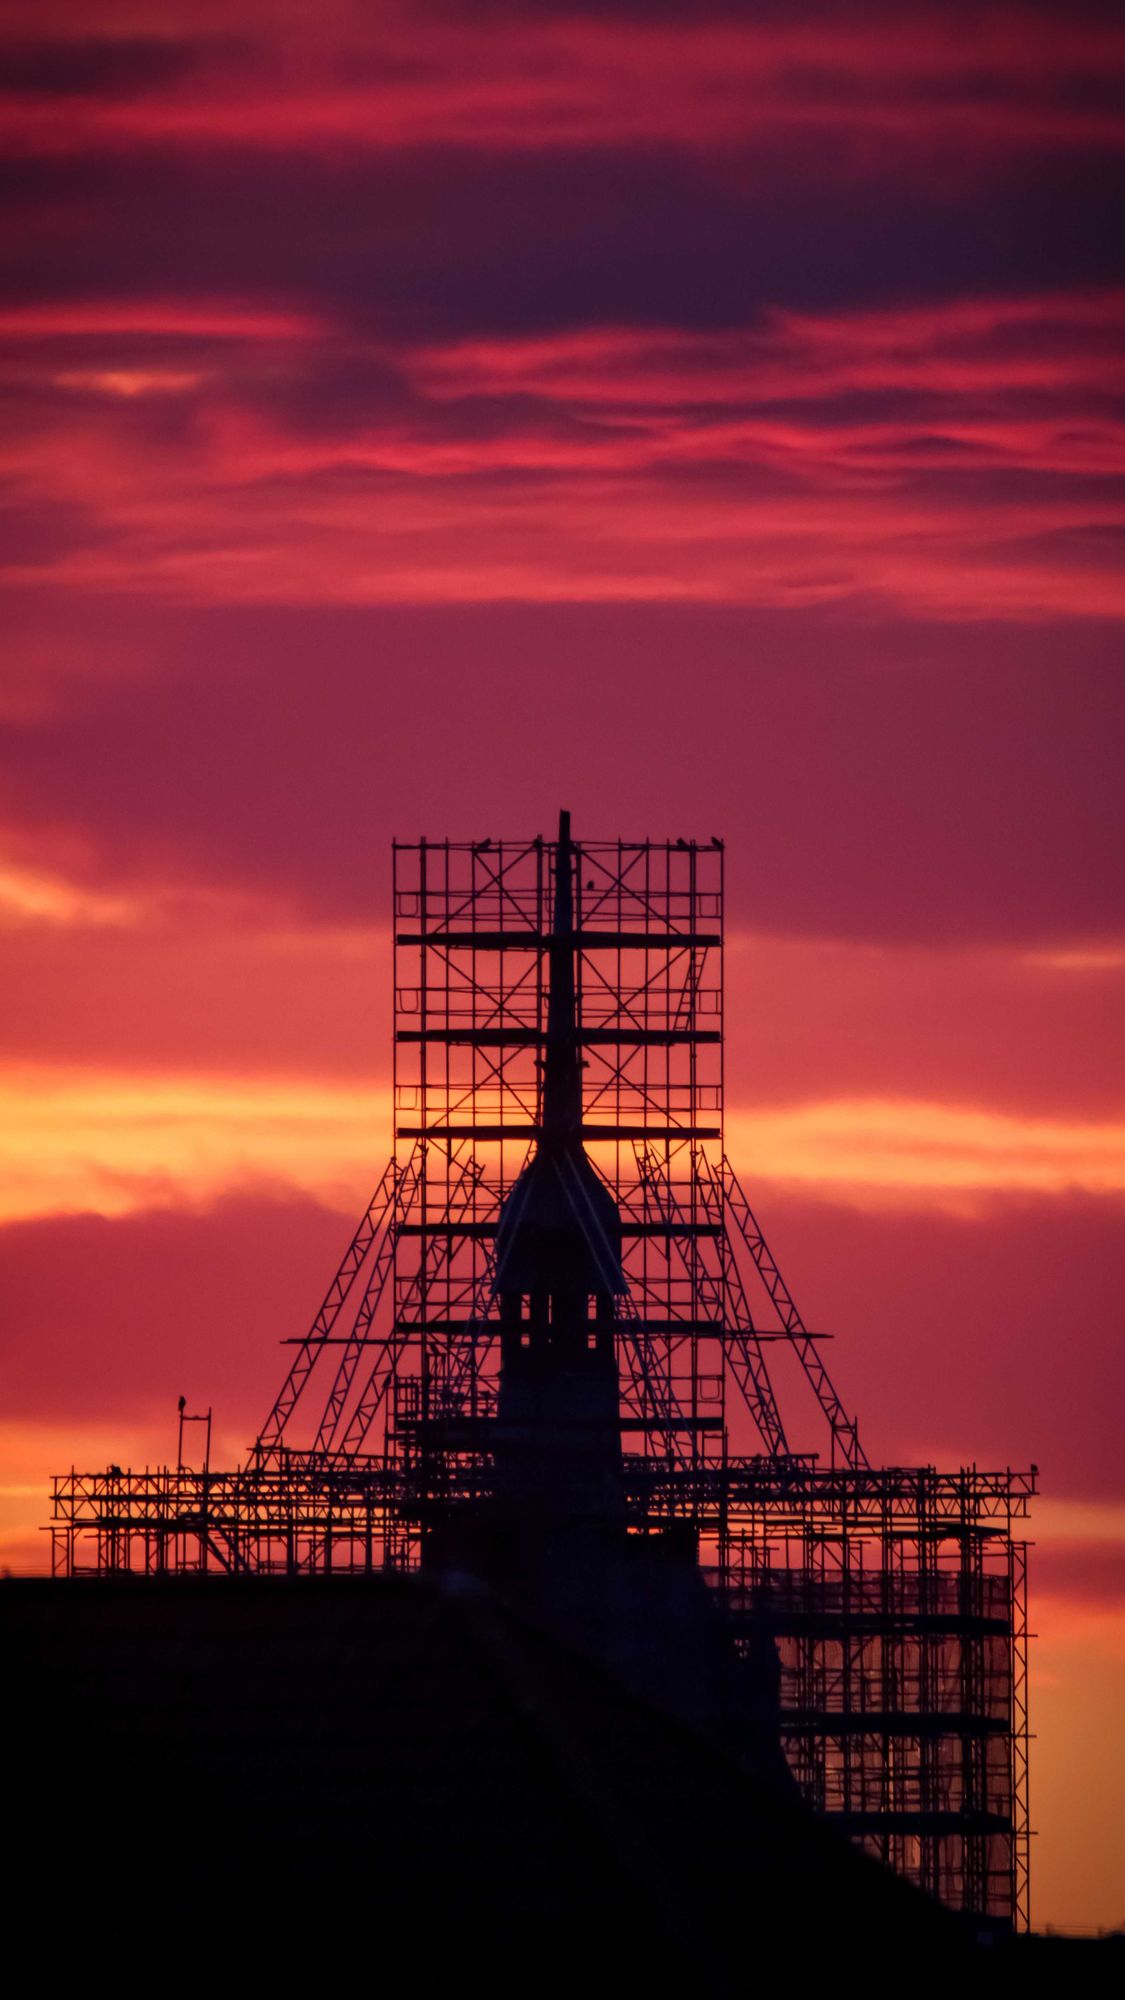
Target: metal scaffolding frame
(896, 1597)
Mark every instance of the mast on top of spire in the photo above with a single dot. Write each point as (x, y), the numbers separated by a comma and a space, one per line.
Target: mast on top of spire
(562, 1069)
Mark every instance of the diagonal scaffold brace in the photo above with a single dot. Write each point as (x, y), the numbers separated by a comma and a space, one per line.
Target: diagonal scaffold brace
(345, 1446)
(722, 1293)
(374, 1223)
(846, 1447)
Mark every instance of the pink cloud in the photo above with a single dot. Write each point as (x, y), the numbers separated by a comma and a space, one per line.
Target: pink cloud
(178, 979)
(167, 1301)
(987, 1336)
(897, 86)
(1053, 341)
(624, 464)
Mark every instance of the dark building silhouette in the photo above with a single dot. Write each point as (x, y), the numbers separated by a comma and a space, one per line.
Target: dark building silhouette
(527, 1622)
(219, 1780)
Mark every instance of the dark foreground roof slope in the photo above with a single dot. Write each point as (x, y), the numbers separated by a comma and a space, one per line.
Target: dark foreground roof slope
(254, 1777)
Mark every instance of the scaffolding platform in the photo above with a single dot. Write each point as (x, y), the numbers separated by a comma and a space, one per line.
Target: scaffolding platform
(895, 1597)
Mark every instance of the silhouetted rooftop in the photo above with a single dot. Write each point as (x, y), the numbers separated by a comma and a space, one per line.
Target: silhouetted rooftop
(341, 1764)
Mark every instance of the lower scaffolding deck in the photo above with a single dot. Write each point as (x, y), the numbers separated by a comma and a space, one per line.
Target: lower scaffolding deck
(895, 1599)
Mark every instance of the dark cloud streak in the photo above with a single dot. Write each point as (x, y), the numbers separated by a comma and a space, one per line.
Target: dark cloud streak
(126, 65)
(441, 246)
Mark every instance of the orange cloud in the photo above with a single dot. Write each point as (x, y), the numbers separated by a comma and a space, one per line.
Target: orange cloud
(899, 1148)
(37, 895)
(110, 1143)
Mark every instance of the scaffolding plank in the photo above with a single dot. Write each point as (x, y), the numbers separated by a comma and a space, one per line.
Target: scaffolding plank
(529, 1132)
(529, 940)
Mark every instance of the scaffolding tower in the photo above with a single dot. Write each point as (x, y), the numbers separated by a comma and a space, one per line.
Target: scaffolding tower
(896, 1596)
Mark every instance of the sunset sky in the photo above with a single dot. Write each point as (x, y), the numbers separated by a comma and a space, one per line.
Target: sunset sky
(709, 418)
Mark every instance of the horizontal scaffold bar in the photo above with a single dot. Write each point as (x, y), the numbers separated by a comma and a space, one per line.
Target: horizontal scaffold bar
(797, 1478)
(907, 1722)
(474, 1433)
(795, 1624)
(763, 1498)
(655, 1133)
(715, 1327)
(482, 1229)
(534, 1038)
(909, 1822)
(582, 940)
(604, 850)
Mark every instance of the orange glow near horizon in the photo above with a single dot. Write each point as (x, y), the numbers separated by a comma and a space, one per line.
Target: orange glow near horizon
(105, 1144)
